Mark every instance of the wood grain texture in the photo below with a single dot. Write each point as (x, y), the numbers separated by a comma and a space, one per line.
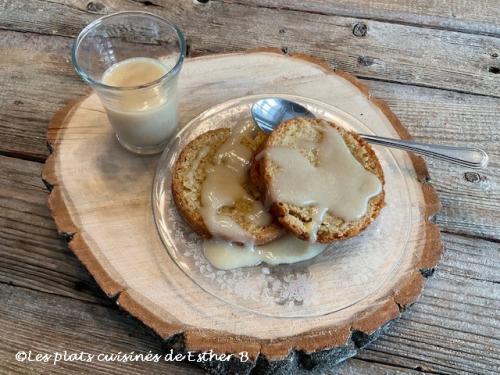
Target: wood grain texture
(30, 97)
(63, 324)
(470, 198)
(388, 51)
(31, 254)
(467, 279)
(448, 15)
(460, 308)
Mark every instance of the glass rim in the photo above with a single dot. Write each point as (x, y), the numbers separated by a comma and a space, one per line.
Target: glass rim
(81, 72)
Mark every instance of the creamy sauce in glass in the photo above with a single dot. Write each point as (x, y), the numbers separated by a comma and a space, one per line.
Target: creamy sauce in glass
(143, 116)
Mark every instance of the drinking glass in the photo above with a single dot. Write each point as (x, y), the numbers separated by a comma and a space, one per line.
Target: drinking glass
(143, 115)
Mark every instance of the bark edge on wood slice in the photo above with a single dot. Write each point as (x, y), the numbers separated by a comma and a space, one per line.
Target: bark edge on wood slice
(348, 336)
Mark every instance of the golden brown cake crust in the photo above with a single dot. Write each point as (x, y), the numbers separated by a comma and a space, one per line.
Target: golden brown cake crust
(296, 219)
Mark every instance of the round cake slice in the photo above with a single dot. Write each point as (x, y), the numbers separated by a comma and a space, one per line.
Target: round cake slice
(199, 162)
(298, 164)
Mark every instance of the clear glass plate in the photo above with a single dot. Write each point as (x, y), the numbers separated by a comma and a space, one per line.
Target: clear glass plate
(344, 274)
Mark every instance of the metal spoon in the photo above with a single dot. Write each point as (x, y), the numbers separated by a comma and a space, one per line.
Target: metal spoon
(268, 113)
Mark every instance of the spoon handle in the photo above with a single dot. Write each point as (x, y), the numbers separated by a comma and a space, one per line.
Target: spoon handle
(468, 157)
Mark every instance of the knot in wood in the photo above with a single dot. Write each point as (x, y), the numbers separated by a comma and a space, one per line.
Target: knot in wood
(360, 29)
(365, 60)
(472, 177)
(95, 7)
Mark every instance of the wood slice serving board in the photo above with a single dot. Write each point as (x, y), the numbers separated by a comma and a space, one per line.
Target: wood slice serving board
(101, 200)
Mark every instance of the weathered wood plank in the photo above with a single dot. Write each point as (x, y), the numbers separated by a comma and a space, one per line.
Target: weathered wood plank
(466, 15)
(30, 97)
(387, 51)
(47, 324)
(455, 324)
(471, 200)
(355, 366)
(36, 79)
(31, 254)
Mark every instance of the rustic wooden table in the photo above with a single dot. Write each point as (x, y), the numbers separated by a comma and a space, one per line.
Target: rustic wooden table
(437, 65)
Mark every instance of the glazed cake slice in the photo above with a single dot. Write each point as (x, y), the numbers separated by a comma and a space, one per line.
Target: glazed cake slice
(304, 135)
(196, 166)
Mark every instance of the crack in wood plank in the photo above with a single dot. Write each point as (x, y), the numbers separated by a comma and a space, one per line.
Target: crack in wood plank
(215, 22)
(379, 11)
